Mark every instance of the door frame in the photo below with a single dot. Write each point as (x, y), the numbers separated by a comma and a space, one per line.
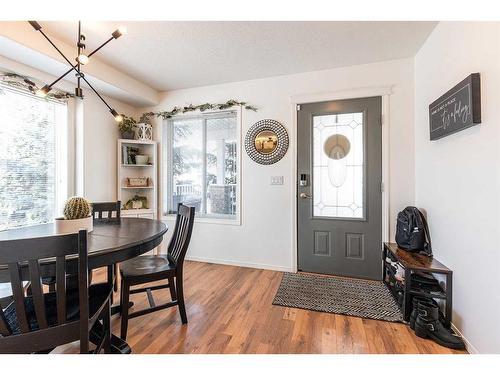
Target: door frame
(356, 93)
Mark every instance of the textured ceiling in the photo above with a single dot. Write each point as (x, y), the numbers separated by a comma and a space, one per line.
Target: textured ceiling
(175, 55)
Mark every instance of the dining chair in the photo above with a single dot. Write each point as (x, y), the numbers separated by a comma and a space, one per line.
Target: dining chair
(112, 211)
(150, 268)
(39, 322)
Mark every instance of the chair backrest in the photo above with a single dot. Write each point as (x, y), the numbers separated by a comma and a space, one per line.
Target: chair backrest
(181, 237)
(23, 258)
(99, 208)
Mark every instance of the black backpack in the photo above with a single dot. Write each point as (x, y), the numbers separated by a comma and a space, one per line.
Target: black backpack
(412, 231)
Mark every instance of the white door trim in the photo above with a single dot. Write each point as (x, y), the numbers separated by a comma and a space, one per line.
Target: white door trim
(363, 92)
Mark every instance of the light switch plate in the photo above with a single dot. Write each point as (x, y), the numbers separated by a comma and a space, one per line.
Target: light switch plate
(276, 180)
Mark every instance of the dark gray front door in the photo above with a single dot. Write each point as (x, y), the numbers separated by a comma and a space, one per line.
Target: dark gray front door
(339, 199)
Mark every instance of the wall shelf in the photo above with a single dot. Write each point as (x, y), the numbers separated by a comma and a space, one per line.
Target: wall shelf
(137, 165)
(125, 171)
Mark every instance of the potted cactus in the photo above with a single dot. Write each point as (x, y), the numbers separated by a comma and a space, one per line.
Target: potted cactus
(77, 215)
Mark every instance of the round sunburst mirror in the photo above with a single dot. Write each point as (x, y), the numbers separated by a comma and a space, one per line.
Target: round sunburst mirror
(266, 142)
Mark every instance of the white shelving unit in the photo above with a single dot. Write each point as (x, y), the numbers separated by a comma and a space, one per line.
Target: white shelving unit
(149, 170)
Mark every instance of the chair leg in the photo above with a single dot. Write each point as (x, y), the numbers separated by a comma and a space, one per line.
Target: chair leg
(180, 299)
(107, 327)
(173, 293)
(124, 308)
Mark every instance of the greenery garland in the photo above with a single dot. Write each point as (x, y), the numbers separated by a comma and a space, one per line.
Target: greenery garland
(202, 107)
(26, 84)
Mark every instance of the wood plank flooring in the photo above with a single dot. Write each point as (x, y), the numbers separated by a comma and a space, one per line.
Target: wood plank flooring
(230, 311)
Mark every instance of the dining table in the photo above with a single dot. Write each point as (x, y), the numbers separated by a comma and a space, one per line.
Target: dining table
(110, 242)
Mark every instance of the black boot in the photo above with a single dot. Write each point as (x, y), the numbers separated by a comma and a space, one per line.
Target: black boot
(415, 300)
(428, 325)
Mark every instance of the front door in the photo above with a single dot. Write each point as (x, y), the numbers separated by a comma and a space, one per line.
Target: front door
(339, 199)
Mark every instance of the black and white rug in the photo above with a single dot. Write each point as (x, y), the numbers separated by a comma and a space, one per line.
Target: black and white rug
(338, 295)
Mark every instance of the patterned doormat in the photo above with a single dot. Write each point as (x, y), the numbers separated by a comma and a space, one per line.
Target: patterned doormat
(338, 295)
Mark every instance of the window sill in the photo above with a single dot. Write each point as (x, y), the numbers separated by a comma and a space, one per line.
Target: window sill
(207, 220)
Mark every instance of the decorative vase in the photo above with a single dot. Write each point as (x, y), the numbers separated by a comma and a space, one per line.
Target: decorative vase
(63, 226)
(144, 132)
(128, 135)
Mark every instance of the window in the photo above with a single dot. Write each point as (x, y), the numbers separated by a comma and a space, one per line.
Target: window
(201, 154)
(33, 158)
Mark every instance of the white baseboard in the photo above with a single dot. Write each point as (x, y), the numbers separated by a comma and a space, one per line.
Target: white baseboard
(240, 264)
(470, 348)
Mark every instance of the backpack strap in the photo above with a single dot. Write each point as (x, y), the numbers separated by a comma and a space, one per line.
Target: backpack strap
(427, 246)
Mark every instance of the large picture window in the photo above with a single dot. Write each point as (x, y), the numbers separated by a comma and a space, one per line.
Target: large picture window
(201, 157)
(33, 158)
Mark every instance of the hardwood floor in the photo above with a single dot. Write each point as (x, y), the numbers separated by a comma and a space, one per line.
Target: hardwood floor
(230, 311)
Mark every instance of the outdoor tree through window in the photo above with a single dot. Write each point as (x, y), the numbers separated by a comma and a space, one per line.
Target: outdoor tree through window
(202, 158)
(33, 158)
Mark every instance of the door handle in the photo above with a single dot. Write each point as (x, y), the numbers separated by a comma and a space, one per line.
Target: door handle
(304, 196)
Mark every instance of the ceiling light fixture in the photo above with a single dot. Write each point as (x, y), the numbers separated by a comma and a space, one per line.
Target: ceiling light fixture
(42, 93)
(81, 59)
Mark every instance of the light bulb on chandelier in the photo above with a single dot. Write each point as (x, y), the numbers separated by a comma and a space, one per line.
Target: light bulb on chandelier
(82, 59)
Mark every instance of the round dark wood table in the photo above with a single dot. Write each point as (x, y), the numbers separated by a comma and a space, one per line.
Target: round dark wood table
(109, 243)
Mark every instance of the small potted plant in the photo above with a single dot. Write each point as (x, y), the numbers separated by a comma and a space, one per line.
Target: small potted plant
(127, 127)
(136, 202)
(77, 215)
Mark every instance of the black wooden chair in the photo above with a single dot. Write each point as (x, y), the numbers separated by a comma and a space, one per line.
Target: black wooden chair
(151, 268)
(112, 211)
(40, 321)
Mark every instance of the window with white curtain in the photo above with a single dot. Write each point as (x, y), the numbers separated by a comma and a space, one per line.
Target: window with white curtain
(33, 158)
(201, 164)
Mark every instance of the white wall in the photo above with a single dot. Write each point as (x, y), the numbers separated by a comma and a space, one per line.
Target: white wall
(99, 147)
(265, 237)
(457, 177)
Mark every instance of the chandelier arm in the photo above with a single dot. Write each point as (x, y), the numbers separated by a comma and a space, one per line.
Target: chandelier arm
(74, 66)
(95, 91)
(60, 52)
(61, 77)
(102, 45)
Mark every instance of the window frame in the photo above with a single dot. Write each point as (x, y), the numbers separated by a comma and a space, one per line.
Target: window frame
(166, 166)
(63, 148)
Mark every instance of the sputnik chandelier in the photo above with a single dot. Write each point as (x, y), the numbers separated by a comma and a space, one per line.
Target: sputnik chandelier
(81, 59)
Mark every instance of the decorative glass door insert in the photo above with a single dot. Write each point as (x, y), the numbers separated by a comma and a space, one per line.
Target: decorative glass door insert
(338, 166)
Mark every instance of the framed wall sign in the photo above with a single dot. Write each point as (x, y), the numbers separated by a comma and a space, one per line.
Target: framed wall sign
(458, 109)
